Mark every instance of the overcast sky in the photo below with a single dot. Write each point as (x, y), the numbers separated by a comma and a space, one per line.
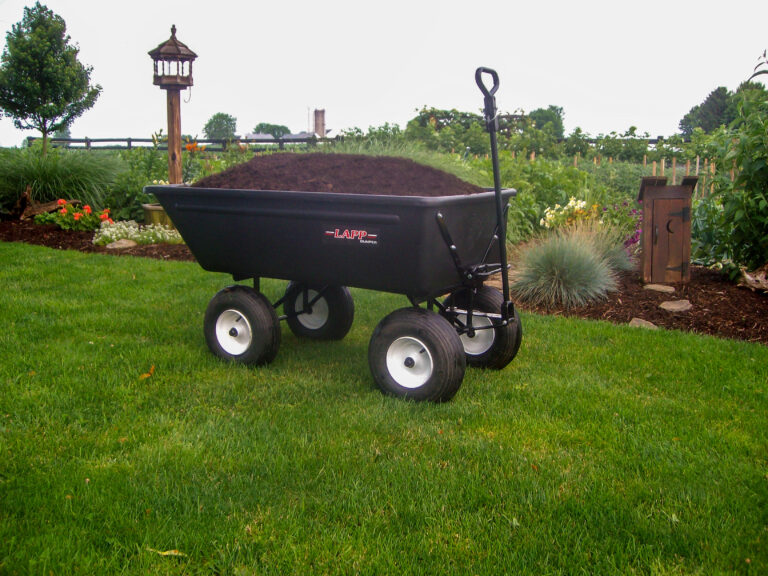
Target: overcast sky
(609, 64)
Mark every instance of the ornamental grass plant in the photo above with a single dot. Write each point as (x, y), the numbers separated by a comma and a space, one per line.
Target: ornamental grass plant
(79, 174)
(570, 266)
(560, 269)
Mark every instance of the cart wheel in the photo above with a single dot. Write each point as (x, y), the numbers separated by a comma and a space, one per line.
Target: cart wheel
(328, 317)
(241, 325)
(491, 347)
(415, 353)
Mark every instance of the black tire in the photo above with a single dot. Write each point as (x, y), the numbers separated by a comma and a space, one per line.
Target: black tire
(492, 347)
(241, 325)
(417, 354)
(330, 316)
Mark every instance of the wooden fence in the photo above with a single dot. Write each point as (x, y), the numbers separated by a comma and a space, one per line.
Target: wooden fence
(212, 145)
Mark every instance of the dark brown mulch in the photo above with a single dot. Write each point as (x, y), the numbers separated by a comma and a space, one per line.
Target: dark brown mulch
(720, 308)
(342, 173)
(54, 237)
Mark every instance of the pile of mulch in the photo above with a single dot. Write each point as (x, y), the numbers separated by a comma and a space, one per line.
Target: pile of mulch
(341, 173)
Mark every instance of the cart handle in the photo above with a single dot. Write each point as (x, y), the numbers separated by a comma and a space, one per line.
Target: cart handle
(480, 84)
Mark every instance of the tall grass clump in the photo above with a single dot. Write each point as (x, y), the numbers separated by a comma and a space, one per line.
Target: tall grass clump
(70, 174)
(569, 267)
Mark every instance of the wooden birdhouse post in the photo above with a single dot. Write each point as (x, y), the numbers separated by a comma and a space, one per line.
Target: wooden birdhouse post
(173, 73)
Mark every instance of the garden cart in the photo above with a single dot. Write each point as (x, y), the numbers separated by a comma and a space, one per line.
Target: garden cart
(437, 251)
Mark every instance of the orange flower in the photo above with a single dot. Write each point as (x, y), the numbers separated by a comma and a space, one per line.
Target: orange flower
(87, 209)
(63, 211)
(61, 201)
(103, 216)
(77, 215)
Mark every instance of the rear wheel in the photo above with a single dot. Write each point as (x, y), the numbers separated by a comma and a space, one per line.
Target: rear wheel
(319, 313)
(489, 347)
(241, 325)
(416, 354)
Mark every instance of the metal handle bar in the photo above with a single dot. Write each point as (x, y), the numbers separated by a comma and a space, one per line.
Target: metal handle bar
(480, 84)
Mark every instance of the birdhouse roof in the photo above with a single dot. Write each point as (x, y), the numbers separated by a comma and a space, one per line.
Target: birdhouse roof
(172, 49)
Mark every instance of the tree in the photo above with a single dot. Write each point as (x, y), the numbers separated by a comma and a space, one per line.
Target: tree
(720, 108)
(221, 127)
(552, 114)
(276, 130)
(709, 114)
(43, 86)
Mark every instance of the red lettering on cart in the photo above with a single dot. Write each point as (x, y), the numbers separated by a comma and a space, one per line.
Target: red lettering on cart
(362, 236)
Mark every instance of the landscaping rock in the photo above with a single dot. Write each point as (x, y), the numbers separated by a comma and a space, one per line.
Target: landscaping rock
(676, 306)
(660, 288)
(120, 244)
(640, 323)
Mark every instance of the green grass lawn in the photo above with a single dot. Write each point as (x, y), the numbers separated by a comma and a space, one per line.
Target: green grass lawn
(600, 450)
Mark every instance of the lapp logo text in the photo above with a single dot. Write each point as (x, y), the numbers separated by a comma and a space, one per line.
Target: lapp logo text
(350, 235)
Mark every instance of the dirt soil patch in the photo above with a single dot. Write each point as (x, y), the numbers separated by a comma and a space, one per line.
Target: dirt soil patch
(342, 173)
(720, 308)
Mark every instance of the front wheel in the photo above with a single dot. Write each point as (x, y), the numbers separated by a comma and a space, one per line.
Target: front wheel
(490, 346)
(416, 354)
(241, 325)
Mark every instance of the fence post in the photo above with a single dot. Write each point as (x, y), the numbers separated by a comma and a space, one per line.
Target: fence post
(674, 170)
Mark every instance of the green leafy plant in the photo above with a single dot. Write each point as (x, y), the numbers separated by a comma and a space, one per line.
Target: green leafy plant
(74, 216)
(142, 166)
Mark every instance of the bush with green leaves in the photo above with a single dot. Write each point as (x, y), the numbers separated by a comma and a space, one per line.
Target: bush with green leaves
(730, 228)
(142, 166)
(74, 174)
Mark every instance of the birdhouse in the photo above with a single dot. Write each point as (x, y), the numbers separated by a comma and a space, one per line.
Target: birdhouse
(173, 64)
(666, 236)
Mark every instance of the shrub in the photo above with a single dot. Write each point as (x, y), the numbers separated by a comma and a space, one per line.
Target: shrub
(81, 174)
(562, 269)
(142, 166)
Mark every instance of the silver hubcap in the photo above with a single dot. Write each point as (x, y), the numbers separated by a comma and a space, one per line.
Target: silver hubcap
(319, 315)
(483, 339)
(409, 362)
(233, 332)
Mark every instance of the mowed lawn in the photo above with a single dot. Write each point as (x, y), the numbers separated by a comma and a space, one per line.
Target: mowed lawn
(127, 448)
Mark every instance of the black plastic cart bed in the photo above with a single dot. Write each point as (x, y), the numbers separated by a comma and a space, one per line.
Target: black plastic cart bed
(437, 251)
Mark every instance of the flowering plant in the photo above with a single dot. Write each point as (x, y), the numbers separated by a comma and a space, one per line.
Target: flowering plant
(72, 216)
(150, 234)
(571, 213)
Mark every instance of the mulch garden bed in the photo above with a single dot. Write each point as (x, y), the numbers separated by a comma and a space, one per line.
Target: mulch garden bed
(720, 307)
